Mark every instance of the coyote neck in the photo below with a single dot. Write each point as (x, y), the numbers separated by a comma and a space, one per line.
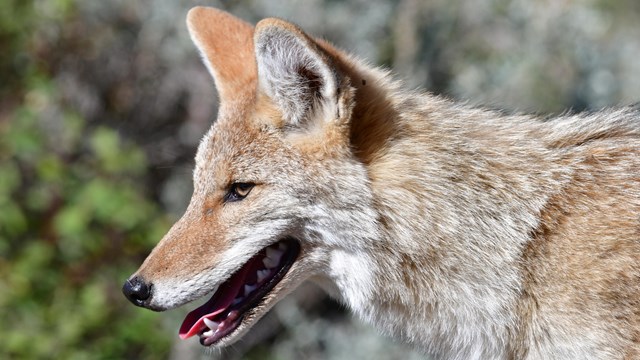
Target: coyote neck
(446, 272)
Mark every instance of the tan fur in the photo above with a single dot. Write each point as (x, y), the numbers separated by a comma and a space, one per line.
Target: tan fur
(217, 32)
(462, 231)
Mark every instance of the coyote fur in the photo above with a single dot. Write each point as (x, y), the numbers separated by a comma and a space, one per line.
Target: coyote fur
(465, 232)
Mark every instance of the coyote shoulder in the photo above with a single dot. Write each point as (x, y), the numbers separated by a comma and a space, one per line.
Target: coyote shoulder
(465, 232)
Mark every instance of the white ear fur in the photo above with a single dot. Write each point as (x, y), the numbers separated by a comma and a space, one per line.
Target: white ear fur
(293, 71)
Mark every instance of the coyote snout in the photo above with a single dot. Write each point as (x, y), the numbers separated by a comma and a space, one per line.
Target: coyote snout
(137, 290)
(467, 233)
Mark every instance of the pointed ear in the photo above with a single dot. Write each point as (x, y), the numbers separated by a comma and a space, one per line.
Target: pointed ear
(295, 72)
(226, 46)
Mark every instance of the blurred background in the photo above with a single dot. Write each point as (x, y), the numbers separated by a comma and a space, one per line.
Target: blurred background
(102, 104)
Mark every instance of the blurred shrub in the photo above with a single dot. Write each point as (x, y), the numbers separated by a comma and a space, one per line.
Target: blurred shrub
(75, 216)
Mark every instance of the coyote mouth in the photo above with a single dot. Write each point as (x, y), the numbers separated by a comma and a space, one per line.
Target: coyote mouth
(245, 290)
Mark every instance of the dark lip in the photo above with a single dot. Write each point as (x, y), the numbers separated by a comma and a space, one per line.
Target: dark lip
(245, 307)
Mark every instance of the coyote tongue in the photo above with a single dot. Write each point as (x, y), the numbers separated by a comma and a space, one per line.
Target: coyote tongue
(219, 302)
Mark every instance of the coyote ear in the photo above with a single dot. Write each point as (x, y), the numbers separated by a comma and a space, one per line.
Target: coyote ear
(294, 71)
(226, 45)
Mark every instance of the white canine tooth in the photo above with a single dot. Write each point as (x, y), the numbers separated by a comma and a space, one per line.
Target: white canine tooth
(269, 263)
(248, 289)
(208, 333)
(262, 274)
(211, 325)
(274, 254)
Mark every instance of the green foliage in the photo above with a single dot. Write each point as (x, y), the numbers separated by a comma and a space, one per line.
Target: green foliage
(75, 219)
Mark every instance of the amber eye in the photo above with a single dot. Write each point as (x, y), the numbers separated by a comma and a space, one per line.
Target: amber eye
(238, 191)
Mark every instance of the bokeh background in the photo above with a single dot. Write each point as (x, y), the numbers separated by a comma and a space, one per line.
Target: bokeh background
(102, 104)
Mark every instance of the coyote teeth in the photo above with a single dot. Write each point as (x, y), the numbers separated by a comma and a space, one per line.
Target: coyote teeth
(262, 274)
(269, 263)
(212, 325)
(274, 254)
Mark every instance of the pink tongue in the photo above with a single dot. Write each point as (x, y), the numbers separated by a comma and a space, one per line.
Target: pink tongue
(219, 302)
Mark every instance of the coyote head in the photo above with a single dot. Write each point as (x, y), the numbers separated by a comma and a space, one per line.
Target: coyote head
(279, 196)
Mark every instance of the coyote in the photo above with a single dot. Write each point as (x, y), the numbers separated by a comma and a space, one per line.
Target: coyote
(465, 232)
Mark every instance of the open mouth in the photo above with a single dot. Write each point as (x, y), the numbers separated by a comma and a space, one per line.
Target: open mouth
(243, 291)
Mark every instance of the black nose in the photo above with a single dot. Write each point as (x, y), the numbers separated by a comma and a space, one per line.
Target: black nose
(136, 290)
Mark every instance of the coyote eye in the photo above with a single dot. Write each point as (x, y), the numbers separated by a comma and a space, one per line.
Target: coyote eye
(238, 191)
